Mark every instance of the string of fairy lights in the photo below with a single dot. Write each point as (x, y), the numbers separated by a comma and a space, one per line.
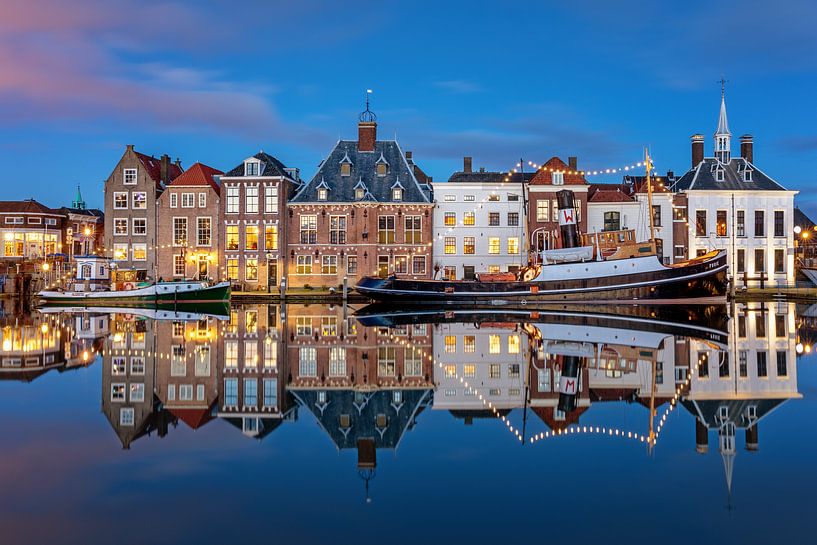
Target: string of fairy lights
(53, 325)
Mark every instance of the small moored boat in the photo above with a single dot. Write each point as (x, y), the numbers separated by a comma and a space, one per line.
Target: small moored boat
(94, 286)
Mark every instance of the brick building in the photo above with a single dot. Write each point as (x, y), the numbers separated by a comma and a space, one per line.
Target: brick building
(188, 214)
(543, 221)
(131, 192)
(253, 199)
(29, 230)
(368, 210)
(84, 228)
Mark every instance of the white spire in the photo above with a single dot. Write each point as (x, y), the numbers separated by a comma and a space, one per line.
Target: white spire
(723, 144)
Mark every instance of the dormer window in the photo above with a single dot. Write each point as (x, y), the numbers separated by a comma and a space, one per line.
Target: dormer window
(346, 169)
(251, 168)
(397, 194)
(557, 178)
(359, 193)
(382, 166)
(323, 194)
(747, 175)
(719, 175)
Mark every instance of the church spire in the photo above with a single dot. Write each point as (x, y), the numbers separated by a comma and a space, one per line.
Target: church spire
(78, 202)
(723, 144)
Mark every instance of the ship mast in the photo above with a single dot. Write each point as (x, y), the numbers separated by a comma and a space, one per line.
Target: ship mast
(648, 166)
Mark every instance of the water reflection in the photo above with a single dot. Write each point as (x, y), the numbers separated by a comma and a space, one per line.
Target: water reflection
(366, 375)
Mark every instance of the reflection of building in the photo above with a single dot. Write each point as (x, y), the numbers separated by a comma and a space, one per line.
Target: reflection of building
(734, 387)
(30, 346)
(491, 358)
(186, 373)
(128, 374)
(189, 225)
(365, 385)
(253, 396)
(478, 224)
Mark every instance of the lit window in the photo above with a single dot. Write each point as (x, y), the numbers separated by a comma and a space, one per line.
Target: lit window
(468, 245)
(303, 264)
(513, 344)
(140, 200)
(494, 344)
(468, 218)
(120, 200)
(232, 237)
(450, 219)
(495, 370)
(381, 169)
(513, 246)
(251, 270)
(450, 245)
(450, 371)
(469, 344)
(140, 252)
(469, 370)
(493, 245)
(450, 344)
(397, 194)
(323, 194)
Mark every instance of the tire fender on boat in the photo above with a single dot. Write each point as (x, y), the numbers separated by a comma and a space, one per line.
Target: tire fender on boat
(129, 286)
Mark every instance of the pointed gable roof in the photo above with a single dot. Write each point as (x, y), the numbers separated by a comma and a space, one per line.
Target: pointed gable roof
(364, 171)
(270, 166)
(27, 206)
(702, 177)
(544, 175)
(723, 123)
(153, 167)
(199, 174)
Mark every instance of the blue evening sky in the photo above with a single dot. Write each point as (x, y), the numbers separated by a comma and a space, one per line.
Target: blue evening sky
(217, 81)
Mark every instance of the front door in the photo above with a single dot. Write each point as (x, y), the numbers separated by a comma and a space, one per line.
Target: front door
(204, 267)
(382, 266)
(468, 272)
(272, 273)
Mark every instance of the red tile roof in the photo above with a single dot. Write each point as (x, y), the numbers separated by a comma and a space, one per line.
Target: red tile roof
(543, 175)
(28, 206)
(195, 418)
(154, 168)
(199, 174)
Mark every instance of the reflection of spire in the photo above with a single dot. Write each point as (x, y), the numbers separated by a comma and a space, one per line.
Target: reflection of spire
(726, 435)
(367, 475)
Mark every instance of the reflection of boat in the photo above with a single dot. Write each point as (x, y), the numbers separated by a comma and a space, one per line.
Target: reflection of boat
(705, 322)
(183, 313)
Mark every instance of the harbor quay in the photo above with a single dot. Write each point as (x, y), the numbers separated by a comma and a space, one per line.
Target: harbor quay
(371, 211)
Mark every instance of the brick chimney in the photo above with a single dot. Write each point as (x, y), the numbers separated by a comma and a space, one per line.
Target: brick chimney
(747, 148)
(366, 135)
(467, 164)
(572, 163)
(752, 438)
(409, 157)
(178, 162)
(164, 167)
(697, 149)
(129, 147)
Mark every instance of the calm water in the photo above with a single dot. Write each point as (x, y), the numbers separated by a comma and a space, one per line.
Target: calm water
(308, 424)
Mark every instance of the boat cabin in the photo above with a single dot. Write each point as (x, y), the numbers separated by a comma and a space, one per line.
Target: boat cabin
(93, 273)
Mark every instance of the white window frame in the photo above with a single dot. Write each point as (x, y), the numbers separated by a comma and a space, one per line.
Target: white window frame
(117, 224)
(120, 194)
(202, 200)
(130, 173)
(139, 232)
(134, 203)
(142, 246)
(174, 200)
(232, 200)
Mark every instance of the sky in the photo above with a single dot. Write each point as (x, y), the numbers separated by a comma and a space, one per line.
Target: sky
(218, 81)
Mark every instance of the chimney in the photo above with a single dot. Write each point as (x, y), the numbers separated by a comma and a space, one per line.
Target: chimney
(746, 148)
(751, 438)
(178, 162)
(697, 149)
(481, 170)
(129, 147)
(409, 157)
(165, 166)
(701, 437)
(366, 135)
(466, 164)
(572, 163)
(670, 175)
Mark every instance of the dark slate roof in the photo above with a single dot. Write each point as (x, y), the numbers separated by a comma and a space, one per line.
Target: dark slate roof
(29, 206)
(379, 188)
(363, 408)
(702, 177)
(489, 177)
(83, 211)
(801, 219)
(270, 166)
(708, 410)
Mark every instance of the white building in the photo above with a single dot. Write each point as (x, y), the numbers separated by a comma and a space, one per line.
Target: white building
(491, 359)
(733, 205)
(478, 224)
(613, 207)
